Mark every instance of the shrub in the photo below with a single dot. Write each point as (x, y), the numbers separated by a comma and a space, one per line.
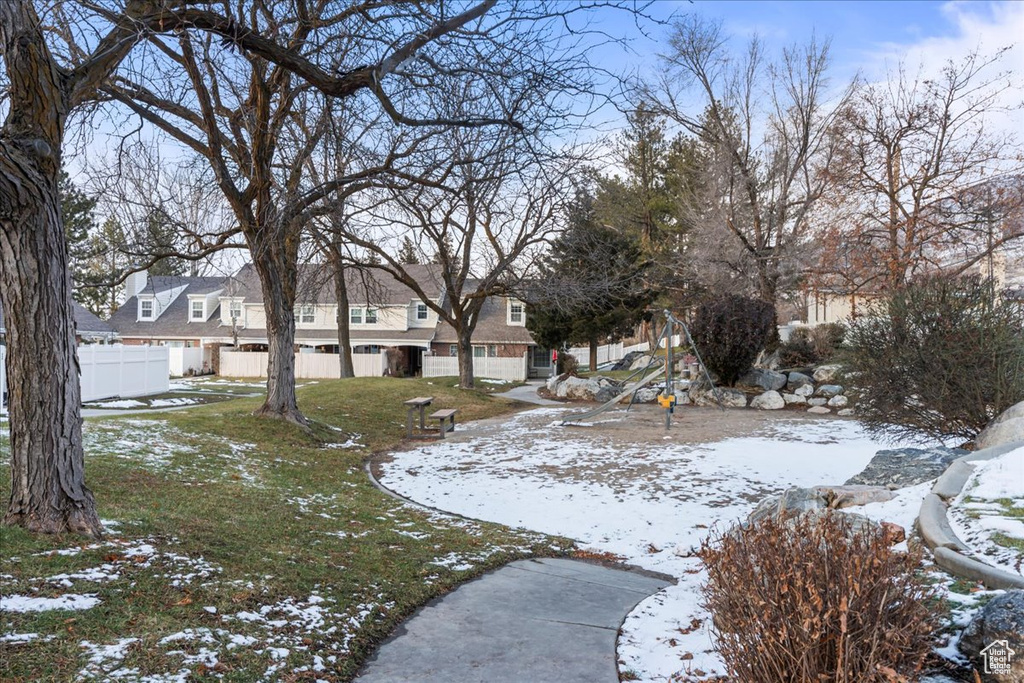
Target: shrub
(809, 346)
(730, 332)
(813, 599)
(798, 350)
(938, 357)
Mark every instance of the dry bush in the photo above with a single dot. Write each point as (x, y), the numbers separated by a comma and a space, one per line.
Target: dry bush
(811, 599)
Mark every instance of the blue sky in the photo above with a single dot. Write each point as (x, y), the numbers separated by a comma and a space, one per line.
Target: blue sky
(864, 34)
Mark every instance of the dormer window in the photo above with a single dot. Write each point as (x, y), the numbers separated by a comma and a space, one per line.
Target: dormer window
(306, 314)
(516, 313)
(422, 312)
(145, 309)
(355, 316)
(371, 316)
(235, 310)
(197, 310)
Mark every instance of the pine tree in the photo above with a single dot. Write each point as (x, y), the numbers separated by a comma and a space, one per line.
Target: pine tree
(79, 223)
(407, 254)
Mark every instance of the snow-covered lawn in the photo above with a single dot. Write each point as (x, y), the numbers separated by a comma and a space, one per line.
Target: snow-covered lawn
(988, 515)
(649, 503)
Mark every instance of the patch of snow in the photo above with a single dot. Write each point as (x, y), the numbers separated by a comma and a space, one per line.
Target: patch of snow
(170, 402)
(122, 404)
(69, 601)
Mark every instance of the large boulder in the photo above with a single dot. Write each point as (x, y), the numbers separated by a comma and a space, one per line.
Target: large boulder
(626, 362)
(900, 467)
(578, 388)
(606, 393)
(794, 399)
(766, 380)
(647, 395)
(817, 401)
(730, 398)
(805, 390)
(769, 400)
(838, 402)
(799, 500)
(829, 390)
(827, 373)
(645, 360)
(1006, 428)
(796, 380)
(994, 640)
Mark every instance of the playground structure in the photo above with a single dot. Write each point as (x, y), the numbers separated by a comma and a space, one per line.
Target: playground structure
(667, 397)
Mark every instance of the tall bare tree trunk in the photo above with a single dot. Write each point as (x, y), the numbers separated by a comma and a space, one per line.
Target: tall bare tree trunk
(278, 273)
(346, 366)
(48, 491)
(593, 355)
(466, 358)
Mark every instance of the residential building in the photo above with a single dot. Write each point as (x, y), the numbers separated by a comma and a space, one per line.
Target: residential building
(202, 315)
(88, 328)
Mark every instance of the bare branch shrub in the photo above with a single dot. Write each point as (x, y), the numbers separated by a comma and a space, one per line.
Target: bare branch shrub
(940, 357)
(813, 599)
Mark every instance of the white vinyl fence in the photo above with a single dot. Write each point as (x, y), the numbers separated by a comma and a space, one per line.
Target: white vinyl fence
(183, 359)
(307, 365)
(508, 369)
(123, 371)
(109, 371)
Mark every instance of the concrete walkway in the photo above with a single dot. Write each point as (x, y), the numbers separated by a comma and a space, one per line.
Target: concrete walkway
(532, 620)
(528, 394)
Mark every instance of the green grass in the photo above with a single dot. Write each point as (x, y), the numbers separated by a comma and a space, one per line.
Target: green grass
(221, 514)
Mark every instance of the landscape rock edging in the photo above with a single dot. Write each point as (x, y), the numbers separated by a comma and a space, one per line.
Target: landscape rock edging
(933, 524)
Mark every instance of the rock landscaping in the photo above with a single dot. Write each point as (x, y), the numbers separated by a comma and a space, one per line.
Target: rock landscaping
(813, 390)
(900, 467)
(999, 624)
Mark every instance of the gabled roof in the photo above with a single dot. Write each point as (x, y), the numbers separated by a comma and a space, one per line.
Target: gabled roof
(492, 325)
(174, 320)
(86, 324)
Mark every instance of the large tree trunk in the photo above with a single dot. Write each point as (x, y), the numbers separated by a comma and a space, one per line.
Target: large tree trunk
(278, 274)
(593, 355)
(48, 491)
(346, 367)
(466, 359)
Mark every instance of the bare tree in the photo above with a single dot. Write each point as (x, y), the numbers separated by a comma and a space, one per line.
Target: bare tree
(769, 129)
(925, 181)
(486, 221)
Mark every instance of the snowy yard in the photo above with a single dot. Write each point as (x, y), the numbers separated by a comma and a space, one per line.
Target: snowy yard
(649, 500)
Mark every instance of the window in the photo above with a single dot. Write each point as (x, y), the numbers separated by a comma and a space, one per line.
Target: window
(306, 313)
(492, 351)
(515, 313)
(198, 310)
(489, 351)
(235, 310)
(479, 351)
(145, 309)
(355, 316)
(421, 312)
(371, 316)
(453, 350)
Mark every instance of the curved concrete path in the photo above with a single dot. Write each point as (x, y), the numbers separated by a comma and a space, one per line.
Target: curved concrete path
(527, 393)
(532, 620)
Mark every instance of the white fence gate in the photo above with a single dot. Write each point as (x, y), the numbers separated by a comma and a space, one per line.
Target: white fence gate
(307, 365)
(109, 371)
(184, 359)
(508, 369)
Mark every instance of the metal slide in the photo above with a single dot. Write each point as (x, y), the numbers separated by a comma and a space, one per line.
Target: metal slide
(660, 372)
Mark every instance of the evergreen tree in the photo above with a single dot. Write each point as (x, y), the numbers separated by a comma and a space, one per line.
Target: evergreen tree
(161, 237)
(407, 254)
(79, 223)
(592, 285)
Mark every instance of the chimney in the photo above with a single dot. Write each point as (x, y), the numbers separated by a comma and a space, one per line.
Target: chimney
(135, 283)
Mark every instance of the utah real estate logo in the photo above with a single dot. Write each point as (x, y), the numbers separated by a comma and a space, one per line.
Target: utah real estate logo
(997, 657)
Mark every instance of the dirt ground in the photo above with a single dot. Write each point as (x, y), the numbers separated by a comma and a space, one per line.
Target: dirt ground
(646, 423)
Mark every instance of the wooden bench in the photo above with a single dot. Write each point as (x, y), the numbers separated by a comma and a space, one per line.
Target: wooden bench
(421, 403)
(443, 415)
